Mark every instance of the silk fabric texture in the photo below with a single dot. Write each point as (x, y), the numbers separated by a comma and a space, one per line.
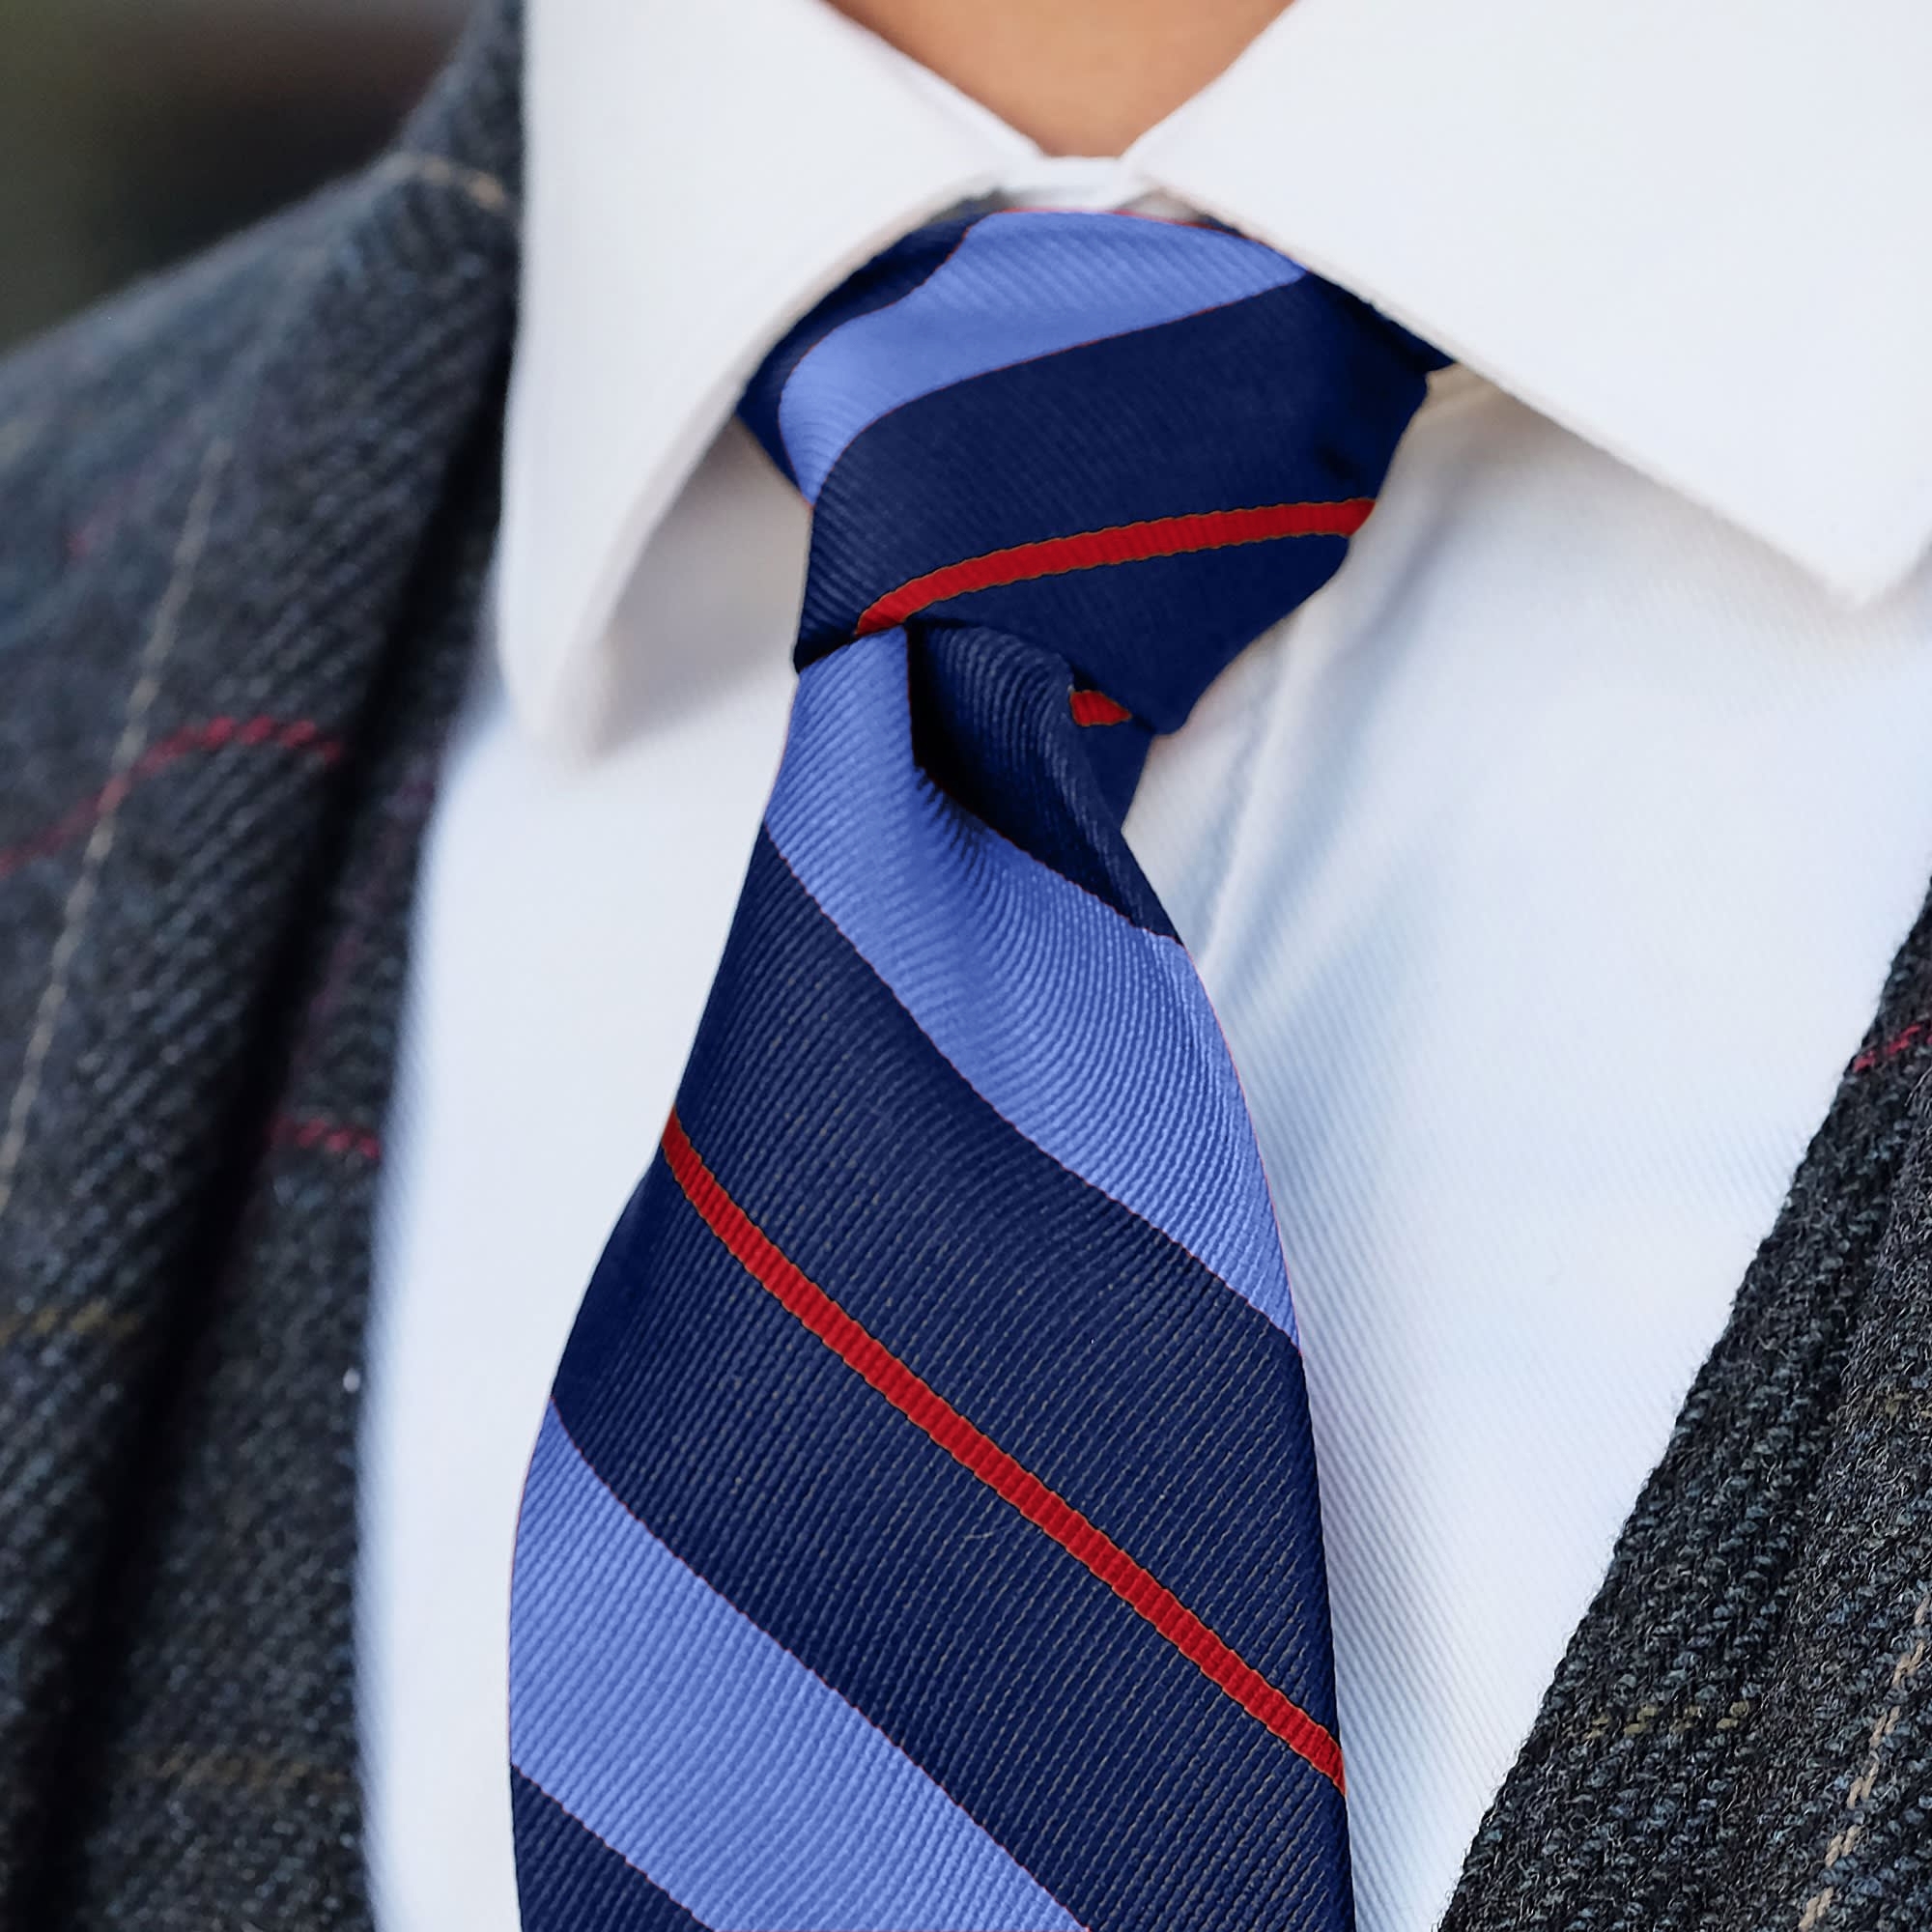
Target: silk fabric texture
(923, 1529)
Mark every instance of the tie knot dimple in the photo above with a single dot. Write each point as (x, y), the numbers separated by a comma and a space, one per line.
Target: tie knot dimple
(1137, 442)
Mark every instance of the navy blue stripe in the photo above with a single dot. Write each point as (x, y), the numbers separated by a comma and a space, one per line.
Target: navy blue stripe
(1136, 1792)
(1137, 630)
(992, 726)
(570, 1880)
(1069, 437)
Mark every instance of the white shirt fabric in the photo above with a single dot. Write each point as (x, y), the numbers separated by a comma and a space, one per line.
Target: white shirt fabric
(1544, 869)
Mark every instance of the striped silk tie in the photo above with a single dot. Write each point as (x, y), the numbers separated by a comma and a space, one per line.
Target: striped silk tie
(922, 1534)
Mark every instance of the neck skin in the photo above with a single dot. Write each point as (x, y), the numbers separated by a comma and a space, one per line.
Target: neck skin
(1077, 76)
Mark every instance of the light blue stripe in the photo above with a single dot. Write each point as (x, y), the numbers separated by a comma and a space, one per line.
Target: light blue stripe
(708, 1755)
(1091, 1034)
(1019, 285)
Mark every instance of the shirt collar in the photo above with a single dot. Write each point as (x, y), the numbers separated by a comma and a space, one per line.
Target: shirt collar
(1691, 234)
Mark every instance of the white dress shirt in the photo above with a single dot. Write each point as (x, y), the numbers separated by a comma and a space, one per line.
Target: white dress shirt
(1544, 869)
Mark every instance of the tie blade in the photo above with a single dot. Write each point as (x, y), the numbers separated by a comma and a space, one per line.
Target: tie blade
(1026, 1670)
(926, 1530)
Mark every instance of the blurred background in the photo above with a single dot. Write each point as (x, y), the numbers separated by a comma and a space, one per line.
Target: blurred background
(134, 131)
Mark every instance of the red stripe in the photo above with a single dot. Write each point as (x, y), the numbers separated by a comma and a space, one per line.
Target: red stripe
(1122, 543)
(1096, 707)
(987, 1460)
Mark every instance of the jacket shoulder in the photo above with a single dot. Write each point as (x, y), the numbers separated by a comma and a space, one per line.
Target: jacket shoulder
(91, 409)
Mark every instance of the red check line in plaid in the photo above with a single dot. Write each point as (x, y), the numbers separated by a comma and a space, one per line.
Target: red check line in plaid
(214, 734)
(1890, 1049)
(328, 1136)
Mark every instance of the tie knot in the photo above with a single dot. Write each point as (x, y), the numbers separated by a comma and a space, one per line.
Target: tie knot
(1136, 442)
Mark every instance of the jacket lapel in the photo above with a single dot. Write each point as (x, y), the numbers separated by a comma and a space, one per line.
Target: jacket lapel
(248, 515)
(1737, 1736)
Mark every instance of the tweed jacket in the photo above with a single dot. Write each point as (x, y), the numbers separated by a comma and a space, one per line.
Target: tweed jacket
(244, 519)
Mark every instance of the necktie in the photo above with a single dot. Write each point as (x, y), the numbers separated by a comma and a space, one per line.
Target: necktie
(922, 1532)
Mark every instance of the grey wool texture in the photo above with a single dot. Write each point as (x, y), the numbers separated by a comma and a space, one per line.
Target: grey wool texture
(244, 518)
